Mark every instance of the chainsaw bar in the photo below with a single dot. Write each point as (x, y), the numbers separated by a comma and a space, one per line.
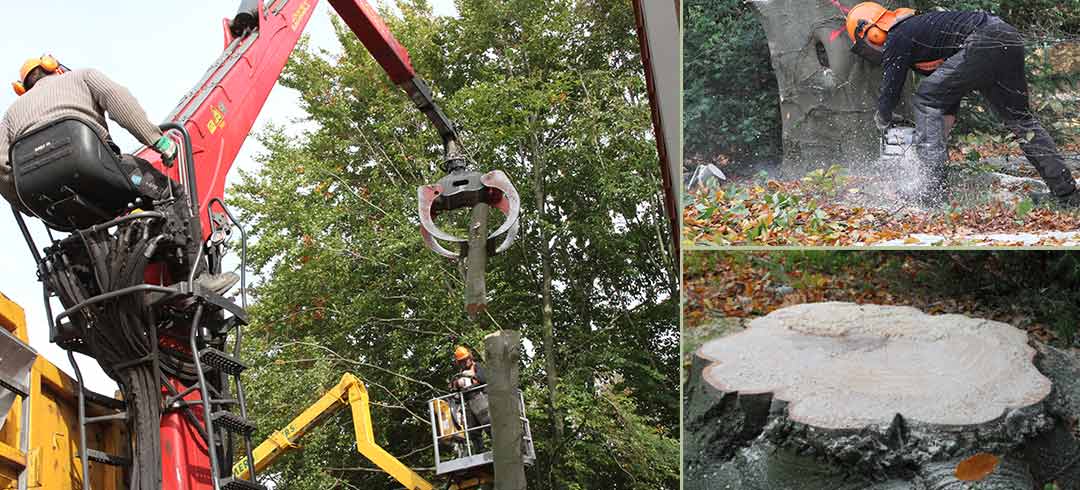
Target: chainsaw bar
(462, 189)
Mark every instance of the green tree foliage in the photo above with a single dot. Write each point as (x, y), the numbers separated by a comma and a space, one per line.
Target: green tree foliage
(348, 286)
(1042, 18)
(731, 102)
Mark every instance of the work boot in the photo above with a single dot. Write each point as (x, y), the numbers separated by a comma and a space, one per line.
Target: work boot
(1068, 202)
(218, 283)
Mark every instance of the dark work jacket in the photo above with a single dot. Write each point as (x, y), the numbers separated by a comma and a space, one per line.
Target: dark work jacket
(924, 37)
(480, 377)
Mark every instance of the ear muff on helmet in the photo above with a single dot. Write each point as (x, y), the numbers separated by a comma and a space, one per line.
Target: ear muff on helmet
(868, 25)
(46, 62)
(870, 32)
(49, 64)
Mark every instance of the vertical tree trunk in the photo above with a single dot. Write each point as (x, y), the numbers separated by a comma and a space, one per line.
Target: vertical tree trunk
(476, 263)
(828, 95)
(546, 309)
(503, 351)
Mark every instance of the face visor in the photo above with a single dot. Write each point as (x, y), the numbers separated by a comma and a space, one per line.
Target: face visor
(863, 47)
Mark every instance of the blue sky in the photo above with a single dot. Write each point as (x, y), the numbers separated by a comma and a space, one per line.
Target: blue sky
(133, 43)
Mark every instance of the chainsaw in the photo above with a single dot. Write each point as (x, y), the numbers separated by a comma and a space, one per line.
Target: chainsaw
(898, 139)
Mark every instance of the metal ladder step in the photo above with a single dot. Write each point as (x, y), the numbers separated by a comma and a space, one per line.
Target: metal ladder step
(106, 458)
(221, 361)
(232, 423)
(237, 484)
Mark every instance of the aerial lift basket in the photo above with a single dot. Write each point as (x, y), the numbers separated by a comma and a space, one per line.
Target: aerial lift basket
(456, 448)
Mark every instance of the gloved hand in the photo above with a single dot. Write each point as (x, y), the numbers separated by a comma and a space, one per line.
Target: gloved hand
(884, 124)
(167, 149)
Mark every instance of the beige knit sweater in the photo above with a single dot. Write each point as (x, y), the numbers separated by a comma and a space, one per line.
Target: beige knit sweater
(86, 94)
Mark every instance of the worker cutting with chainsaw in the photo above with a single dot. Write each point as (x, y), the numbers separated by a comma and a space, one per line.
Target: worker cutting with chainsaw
(50, 92)
(470, 374)
(959, 52)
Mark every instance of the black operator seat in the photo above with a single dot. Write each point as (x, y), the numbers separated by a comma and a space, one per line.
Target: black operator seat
(69, 177)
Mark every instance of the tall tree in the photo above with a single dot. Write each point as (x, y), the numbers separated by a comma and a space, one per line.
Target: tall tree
(553, 89)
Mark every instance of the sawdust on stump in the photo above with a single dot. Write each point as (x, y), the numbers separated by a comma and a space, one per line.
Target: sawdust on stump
(841, 365)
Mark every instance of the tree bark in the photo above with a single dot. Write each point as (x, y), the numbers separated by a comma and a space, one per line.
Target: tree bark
(503, 352)
(828, 94)
(761, 411)
(547, 322)
(476, 262)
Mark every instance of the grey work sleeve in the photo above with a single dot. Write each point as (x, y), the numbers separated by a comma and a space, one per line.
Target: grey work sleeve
(7, 180)
(122, 107)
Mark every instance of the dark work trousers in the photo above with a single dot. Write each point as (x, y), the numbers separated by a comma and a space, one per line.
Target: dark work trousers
(478, 415)
(991, 62)
(144, 179)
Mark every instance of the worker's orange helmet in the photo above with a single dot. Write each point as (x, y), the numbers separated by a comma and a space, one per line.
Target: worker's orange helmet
(46, 62)
(871, 21)
(461, 353)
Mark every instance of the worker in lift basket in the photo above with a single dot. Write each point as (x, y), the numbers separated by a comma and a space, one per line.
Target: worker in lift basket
(470, 374)
(959, 52)
(49, 91)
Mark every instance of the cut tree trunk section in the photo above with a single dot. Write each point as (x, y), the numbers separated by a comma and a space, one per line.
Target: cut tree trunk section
(503, 354)
(838, 395)
(476, 262)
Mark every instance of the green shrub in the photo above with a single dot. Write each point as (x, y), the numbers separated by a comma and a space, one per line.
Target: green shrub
(730, 102)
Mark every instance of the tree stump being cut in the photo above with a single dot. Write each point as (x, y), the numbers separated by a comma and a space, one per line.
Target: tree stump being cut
(839, 395)
(828, 95)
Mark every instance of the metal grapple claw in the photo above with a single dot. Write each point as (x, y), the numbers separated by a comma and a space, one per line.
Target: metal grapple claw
(463, 189)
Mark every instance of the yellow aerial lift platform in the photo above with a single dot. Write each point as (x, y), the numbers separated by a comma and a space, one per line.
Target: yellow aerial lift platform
(352, 393)
(470, 470)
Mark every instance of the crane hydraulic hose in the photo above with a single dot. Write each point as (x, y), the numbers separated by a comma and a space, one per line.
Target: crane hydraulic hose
(121, 335)
(123, 339)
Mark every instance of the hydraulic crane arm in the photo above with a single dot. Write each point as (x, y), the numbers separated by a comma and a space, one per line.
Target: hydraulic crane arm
(352, 393)
(394, 59)
(459, 189)
(221, 110)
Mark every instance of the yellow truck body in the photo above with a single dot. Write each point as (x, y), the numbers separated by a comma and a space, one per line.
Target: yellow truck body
(40, 437)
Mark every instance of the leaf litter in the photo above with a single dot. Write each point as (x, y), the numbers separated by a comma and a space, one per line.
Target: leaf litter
(827, 208)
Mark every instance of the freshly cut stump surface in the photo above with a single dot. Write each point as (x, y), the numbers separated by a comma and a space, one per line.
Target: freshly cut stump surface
(839, 396)
(847, 366)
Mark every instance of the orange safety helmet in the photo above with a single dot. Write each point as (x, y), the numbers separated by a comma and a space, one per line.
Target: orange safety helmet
(871, 21)
(46, 62)
(461, 353)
